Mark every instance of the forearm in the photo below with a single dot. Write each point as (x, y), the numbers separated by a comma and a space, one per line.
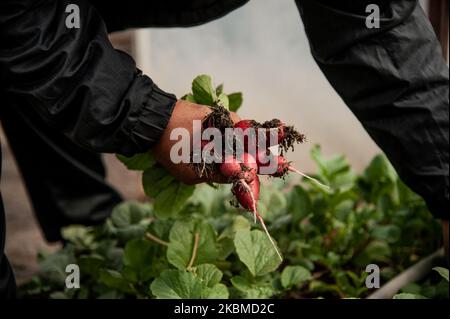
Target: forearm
(76, 81)
(394, 80)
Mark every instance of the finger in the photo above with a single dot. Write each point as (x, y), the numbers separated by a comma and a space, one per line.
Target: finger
(234, 117)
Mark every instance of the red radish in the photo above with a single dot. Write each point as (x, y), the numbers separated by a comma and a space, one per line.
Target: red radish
(230, 166)
(250, 138)
(251, 145)
(264, 157)
(248, 195)
(239, 170)
(243, 171)
(283, 167)
(245, 124)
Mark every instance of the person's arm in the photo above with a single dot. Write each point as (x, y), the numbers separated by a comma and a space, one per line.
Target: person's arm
(75, 80)
(394, 79)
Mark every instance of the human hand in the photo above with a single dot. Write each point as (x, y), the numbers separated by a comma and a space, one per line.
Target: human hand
(183, 116)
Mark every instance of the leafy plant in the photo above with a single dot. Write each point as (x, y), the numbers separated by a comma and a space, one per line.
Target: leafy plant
(190, 242)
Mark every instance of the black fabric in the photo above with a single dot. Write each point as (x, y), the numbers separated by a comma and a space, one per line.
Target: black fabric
(395, 81)
(75, 81)
(167, 13)
(65, 182)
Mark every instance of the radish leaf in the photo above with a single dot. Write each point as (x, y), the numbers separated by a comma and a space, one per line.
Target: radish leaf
(138, 162)
(203, 90)
(172, 199)
(256, 252)
(294, 276)
(180, 284)
(181, 243)
(235, 101)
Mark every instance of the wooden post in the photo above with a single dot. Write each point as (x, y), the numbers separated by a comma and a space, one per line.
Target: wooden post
(438, 13)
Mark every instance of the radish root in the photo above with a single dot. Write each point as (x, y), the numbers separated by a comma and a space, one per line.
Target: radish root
(258, 216)
(292, 169)
(270, 237)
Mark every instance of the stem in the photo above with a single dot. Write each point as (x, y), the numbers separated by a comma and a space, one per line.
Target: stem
(194, 251)
(293, 169)
(270, 237)
(248, 189)
(152, 237)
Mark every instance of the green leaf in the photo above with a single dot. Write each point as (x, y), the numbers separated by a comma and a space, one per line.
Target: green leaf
(79, 235)
(59, 295)
(180, 284)
(129, 220)
(209, 274)
(389, 233)
(53, 268)
(442, 271)
(219, 89)
(235, 101)
(181, 245)
(294, 276)
(404, 295)
(272, 203)
(171, 200)
(376, 251)
(380, 168)
(189, 97)
(90, 265)
(412, 288)
(155, 180)
(138, 256)
(218, 291)
(114, 279)
(335, 171)
(138, 162)
(223, 100)
(226, 247)
(130, 213)
(203, 90)
(161, 228)
(299, 203)
(252, 290)
(322, 287)
(239, 222)
(256, 252)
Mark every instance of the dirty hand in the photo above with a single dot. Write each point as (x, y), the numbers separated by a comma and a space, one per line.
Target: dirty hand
(183, 116)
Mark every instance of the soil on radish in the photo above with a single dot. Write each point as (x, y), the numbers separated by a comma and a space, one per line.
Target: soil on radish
(288, 136)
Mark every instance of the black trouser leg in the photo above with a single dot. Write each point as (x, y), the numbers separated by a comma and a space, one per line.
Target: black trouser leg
(65, 182)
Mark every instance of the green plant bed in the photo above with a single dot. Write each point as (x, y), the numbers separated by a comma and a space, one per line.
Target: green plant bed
(326, 237)
(190, 242)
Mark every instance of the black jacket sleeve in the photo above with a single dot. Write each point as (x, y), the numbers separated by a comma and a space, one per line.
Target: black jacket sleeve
(75, 80)
(394, 79)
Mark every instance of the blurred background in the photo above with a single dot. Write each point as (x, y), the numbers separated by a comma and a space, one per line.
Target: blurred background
(261, 50)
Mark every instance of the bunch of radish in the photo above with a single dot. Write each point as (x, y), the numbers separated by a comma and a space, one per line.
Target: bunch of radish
(243, 170)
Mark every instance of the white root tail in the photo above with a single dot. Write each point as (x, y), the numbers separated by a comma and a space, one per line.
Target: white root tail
(270, 237)
(292, 169)
(256, 215)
